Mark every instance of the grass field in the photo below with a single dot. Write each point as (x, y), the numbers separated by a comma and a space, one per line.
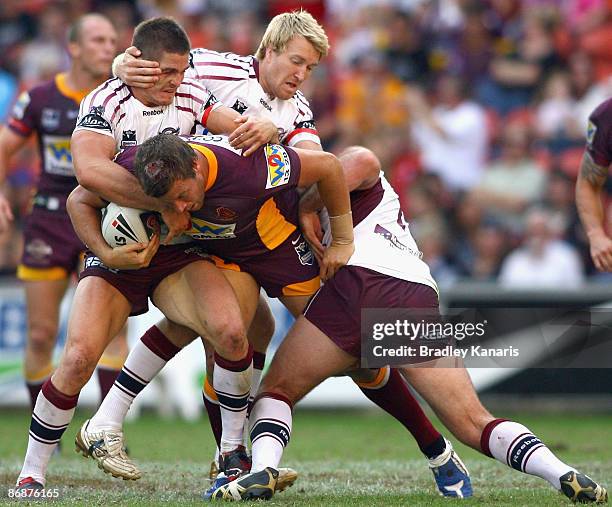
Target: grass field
(344, 459)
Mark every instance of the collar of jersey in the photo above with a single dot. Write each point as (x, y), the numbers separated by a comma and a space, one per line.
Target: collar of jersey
(62, 86)
(212, 163)
(256, 67)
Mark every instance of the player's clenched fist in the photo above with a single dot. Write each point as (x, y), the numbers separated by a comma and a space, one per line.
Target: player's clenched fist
(601, 251)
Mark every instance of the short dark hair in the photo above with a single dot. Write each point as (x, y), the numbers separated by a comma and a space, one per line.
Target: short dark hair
(160, 35)
(162, 160)
(75, 30)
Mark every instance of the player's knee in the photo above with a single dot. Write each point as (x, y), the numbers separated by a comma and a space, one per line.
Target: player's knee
(362, 157)
(230, 340)
(41, 338)
(78, 365)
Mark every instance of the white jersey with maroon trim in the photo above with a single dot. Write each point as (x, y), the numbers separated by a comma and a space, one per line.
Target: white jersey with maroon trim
(112, 110)
(234, 80)
(383, 242)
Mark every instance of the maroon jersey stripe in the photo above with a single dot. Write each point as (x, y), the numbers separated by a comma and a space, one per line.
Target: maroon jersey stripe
(222, 78)
(95, 95)
(107, 99)
(190, 96)
(195, 85)
(188, 109)
(220, 64)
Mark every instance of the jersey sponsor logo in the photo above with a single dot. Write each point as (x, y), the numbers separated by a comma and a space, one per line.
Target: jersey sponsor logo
(591, 130)
(265, 104)
(50, 118)
(303, 251)
(395, 242)
(38, 249)
(21, 105)
(239, 106)
(153, 112)
(279, 165)
(92, 261)
(95, 120)
(128, 139)
(202, 229)
(57, 156)
(197, 250)
(309, 124)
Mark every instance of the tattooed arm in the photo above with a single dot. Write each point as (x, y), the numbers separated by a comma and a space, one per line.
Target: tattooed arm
(588, 201)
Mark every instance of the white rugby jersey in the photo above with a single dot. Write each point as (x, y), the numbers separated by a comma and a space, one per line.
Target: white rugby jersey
(383, 242)
(112, 110)
(234, 80)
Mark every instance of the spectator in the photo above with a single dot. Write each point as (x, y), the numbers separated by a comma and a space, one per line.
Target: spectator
(451, 135)
(513, 182)
(543, 260)
(514, 76)
(490, 246)
(555, 116)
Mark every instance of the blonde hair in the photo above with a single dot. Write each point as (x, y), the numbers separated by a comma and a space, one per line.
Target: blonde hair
(284, 27)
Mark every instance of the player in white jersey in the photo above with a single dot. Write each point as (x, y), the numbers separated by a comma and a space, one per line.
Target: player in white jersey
(236, 81)
(386, 271)
(113, 111)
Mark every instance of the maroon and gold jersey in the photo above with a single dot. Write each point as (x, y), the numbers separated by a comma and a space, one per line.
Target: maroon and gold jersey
(599, 134)
(250, 203)
(50, 110)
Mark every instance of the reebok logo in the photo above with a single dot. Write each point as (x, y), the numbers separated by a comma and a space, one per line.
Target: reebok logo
(265, 104)
(155, 112)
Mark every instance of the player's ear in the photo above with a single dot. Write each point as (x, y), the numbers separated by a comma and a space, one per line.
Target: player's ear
(196, 164)
(74, 50)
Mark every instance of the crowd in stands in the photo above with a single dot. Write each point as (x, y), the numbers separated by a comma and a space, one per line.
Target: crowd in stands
(477, 109)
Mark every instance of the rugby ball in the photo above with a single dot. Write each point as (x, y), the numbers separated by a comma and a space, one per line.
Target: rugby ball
(125, 226)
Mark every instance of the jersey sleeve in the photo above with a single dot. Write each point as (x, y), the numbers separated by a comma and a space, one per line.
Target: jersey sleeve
(304, 128)
(100, 111)
(24, 117)
(599, 134)
(278, 169)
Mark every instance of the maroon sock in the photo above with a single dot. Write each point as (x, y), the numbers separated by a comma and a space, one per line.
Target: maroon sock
(214, 418)
(33, 389)
(395, 398)
(106, 379)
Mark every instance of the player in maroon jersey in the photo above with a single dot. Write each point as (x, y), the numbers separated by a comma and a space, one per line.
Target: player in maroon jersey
(187, 288)
(52, 251)
(591, 179)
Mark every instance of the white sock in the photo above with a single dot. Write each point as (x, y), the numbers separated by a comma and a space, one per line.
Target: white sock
(146, 359)
(51, 416)
(271, 421)
(516, 446)
(255, 381)
(232, 384)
